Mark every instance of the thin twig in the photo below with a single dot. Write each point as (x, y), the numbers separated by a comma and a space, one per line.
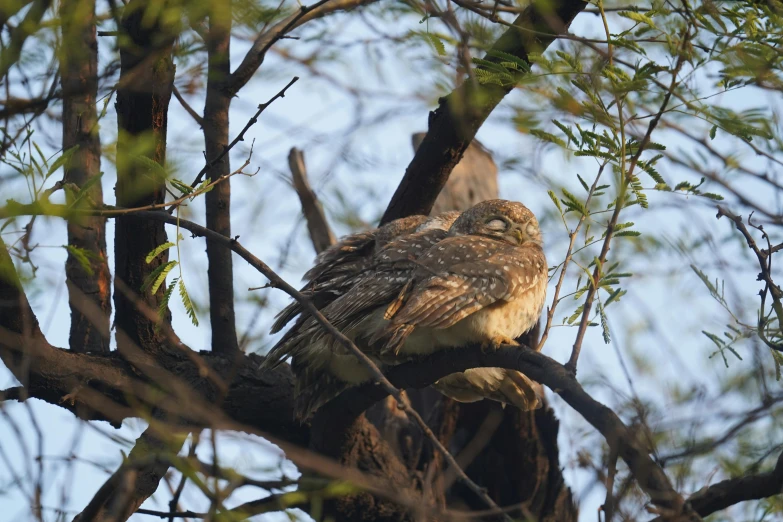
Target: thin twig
(190, 110)
(765, 274)
(550, 314)
(608, 506)
(241, 135)
(174, 502)
(619, 205)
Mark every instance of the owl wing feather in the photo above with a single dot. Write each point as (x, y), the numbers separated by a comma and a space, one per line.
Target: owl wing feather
(375, 286)
(456, 278)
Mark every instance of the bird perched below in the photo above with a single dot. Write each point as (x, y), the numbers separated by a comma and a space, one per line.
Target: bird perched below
(348, 257)
(482, 282)
(351, 261)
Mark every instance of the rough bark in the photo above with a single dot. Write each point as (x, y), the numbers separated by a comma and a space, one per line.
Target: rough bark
(218, 201)
(361, 447)
(134, 482)
(79, 80)
(143, 94)
(473, 179)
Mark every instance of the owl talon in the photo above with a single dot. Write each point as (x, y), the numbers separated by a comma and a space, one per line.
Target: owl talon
(496, 342)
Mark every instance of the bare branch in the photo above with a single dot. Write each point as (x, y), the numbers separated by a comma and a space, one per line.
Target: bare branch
(134, 481)
(86, 234)
(241, 136)
(320, 233)
(190, 110)
(220, 265)
(255, 56)
(454, 124)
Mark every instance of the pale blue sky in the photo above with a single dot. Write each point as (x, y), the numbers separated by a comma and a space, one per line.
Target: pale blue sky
(313, 116)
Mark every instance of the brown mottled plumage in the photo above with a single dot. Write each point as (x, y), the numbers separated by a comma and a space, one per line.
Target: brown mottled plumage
(315, 355)
(482, 282)
(486, 283)
(344, 259)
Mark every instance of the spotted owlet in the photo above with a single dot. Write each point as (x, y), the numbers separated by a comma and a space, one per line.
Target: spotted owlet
(341, 274)
(484, 281)
(334, 267)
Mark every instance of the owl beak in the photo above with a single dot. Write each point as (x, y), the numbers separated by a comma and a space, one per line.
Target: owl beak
(519, 235)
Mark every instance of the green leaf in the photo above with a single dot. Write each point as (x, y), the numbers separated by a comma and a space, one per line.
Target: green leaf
(82, 257)
(778, 358)
(572, 203)
(156, 169)
(187, 303)
(614, 296)
(157, 250)
(713, 131)
(576, 314)
(604, 324)
(437, 43)
(567, 131)
(507, 59)
(584, 185)
(157, 277)
(545, 136)
(164, 303)
(59, 162)
(183, 187)
(638, 17)
(84, 190)
(554, 199)
(203, 186)
(628, 233)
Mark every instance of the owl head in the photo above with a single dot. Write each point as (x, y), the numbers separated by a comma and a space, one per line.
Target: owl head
(500, 219)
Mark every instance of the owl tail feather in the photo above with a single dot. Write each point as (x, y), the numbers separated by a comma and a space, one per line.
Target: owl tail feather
(313, 390)
(392, 338)
(285, 316)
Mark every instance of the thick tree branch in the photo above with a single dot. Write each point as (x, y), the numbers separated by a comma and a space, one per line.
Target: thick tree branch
(143, 95)
(79, 77)
(220, 267)
(729, 492)
(733, 491)
(545, 370)
(454, 124)
(541, 368)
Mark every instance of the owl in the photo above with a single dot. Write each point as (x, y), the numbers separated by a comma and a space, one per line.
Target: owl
(482, 281)
(485, 283)
(335, 266)
(342, 287)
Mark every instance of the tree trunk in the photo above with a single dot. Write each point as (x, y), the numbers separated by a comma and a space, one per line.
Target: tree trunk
(79, 79)
(218, 201)
(511, 453)
(143, 94)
